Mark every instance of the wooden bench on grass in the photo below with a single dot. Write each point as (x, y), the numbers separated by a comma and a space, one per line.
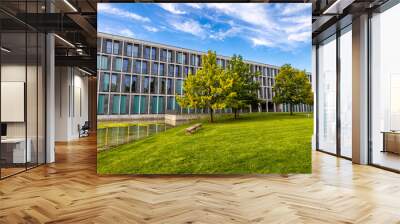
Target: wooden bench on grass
(193, 128)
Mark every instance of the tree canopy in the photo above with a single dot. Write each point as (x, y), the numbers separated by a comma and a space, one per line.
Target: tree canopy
(292, 87)
(208, 88)
(244, 84)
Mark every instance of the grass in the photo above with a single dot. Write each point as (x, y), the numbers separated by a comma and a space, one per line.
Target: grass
(255, 143)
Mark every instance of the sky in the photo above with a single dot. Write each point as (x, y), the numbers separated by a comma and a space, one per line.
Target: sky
(269, 33)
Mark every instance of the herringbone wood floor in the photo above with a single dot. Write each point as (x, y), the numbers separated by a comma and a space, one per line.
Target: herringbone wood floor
(69, 191)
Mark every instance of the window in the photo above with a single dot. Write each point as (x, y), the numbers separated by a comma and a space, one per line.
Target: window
(144, 68)
(153, 106)
(102, 105)
(163, 55)
(170, 57)
(115, 104)
(144, 103)
(98, 44)
(124, 107)
(186, 71)
(126, 65)
(135, 51)
(135, 104)
(171, 70)
(170, 103)
(136, 66)
(346, 93)
(104, 82)
(162, 70)
(146, 53)
(192, 59)
(178, 71)
(161, 104)
(98, 61)
(154, 68)
(145, 85)
(127, 83)
(179, 57)
(153, 85)
(128, 50)
(170, 86)
(117, 48)
(153, 53)
(327, 98)
(117, 64)
(178, 86)
(185, 58)
(162, 85)
(115, 79)
(385, 88)
(104, 62)
(108, 47)
(135, 84)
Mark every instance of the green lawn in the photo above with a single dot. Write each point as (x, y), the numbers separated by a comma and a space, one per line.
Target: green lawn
(256, 143)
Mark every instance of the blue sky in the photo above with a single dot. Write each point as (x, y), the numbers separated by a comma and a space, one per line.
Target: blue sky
(263, 32)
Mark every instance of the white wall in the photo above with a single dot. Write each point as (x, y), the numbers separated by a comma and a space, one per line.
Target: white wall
(71, 103)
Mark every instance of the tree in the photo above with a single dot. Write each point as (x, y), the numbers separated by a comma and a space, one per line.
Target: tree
(208, 88)
(244, 86)
(292, 87)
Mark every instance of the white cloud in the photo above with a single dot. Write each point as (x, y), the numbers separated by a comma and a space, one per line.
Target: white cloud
(222, 34)
(291, 9)
(250, 13)
(259, 41)
(108, 9)
(189, 26)
(267, 26)
(194, 5)
(151, 29)
(171, 7)
(297, 19)
(260, 24)
(126, 32)
(300, 37)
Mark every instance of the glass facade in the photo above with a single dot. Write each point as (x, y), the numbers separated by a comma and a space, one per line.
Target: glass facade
(22, 87)
(385, 89)
(366, 76)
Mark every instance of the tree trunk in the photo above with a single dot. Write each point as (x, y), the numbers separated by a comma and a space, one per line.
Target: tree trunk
(291, 109)
(211, 115)
(235, 110)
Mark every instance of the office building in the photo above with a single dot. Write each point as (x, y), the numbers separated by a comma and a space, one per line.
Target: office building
(141, 79)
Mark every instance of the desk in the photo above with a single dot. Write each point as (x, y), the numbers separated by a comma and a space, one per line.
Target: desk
(13, 150)
(391, 141)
